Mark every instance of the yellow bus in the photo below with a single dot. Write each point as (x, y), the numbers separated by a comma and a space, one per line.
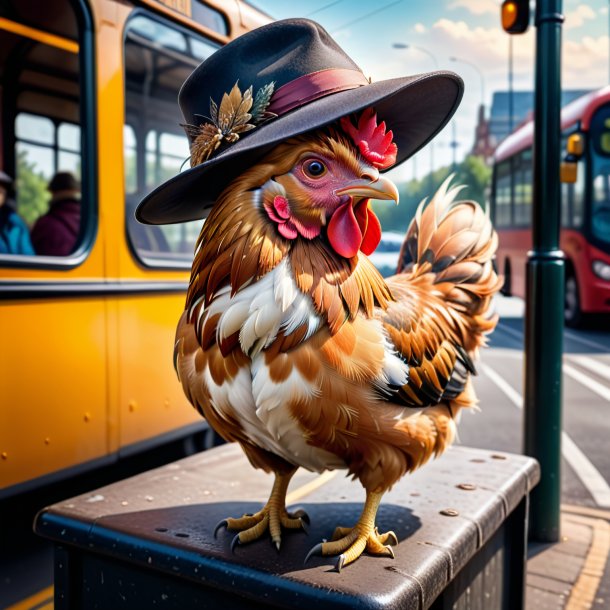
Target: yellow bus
(89, 88)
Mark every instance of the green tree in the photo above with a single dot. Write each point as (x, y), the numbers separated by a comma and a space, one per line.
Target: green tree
(472, 172)
(31, 186)
(476, 175)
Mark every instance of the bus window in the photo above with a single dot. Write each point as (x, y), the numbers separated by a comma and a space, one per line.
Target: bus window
(523, 189)
(573, 196)
(41, 135)
(129, 155)
(209, 17)
(578, 196)
(68, 144)
(158, 58)
(503, 194)
(600, 211)
(600, 204)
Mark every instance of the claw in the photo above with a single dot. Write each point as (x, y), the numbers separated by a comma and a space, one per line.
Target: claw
(222, 524)
(300, 514)
(316, 550)
(393, 540)
(304, 525)
(235, 542)
(340, 563)
(390, 551)
(278, 544)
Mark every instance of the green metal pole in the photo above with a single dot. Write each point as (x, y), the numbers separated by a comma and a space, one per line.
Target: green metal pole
(545, 283)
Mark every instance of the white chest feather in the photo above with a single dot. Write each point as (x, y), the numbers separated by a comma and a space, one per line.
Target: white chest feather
(258, 312)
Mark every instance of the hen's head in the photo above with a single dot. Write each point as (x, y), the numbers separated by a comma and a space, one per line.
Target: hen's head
(318, 185)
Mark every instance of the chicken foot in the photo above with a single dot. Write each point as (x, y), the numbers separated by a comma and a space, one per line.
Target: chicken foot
(350, 543)
(272, 517)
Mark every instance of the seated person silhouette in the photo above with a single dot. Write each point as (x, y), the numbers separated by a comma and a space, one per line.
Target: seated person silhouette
(56, 233)
(14, 234)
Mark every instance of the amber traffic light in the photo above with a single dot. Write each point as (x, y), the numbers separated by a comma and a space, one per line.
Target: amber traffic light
(515, 16)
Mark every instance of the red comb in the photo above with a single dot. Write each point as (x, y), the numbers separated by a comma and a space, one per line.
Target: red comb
(374, 143)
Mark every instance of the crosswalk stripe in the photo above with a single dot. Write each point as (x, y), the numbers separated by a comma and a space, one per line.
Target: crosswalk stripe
(601, 369)
(590, 477)
(591, 384)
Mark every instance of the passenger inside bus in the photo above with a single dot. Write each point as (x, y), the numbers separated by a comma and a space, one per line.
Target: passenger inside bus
(56, 233)
(14, 234)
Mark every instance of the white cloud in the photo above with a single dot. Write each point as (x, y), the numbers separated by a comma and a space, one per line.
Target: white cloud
(584, 66)
(585, 62)
(577, 17)
(476, 7)
(603, 10)
(420, 28)
(486, 47)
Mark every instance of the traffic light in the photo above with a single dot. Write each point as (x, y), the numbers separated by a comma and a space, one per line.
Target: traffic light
(515, 16)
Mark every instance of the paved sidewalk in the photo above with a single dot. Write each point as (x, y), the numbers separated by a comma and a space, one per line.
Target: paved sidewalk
(569, 574)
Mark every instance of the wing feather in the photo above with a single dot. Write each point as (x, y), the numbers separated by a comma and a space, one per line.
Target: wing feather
(426, 340)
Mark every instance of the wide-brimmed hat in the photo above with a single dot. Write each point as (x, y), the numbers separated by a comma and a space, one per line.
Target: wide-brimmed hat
(287, 78)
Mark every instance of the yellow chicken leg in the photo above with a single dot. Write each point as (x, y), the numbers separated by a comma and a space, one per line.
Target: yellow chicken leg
(272, 517)
(350, 543)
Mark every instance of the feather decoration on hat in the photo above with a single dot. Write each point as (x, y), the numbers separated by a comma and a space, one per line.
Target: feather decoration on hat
(238, 113)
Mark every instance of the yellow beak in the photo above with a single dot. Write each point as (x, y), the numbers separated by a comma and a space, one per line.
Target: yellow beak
(382, 188)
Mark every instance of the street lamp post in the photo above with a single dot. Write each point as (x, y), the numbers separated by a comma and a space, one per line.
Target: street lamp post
(474, 67)
(401, 45)
(545, 283)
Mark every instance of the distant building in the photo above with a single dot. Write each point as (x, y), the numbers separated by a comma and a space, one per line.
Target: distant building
(523, 107)
(483, 145)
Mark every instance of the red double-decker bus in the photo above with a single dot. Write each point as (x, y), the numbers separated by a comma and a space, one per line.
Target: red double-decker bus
(585, 207)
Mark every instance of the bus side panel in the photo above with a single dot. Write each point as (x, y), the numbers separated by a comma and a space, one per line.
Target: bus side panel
(512, 251)
(151, 397)
(594, 292)
(53, 386)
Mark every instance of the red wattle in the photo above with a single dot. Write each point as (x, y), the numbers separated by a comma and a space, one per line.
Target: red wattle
(372, 237)
(360, 211)
(344, 231)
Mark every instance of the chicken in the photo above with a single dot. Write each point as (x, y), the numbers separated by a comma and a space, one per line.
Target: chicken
(293, 345)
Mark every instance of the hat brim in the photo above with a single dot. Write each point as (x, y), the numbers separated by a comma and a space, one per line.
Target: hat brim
(415, 108)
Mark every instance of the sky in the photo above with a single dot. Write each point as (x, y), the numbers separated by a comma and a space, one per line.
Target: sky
(468, 30)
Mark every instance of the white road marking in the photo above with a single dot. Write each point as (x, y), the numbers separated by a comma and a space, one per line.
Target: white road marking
(584, 361)
(580, 463)
(598, 367)
(594, 386)
(588, 474)
(512, 394)
(587, 342)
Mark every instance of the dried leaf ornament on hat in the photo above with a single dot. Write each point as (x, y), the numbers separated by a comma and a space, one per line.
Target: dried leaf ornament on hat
(237, 114)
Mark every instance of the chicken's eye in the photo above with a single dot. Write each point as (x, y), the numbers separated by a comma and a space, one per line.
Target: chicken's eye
(314, 168)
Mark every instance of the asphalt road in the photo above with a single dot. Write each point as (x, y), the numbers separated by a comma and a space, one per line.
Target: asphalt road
(26, 561)
(586, 403)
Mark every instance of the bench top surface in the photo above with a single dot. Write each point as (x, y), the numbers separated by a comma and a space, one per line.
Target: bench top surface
(164, 520)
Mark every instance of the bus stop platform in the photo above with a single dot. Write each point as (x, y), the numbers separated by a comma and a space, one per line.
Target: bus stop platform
(572, 574)
(149, 541)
